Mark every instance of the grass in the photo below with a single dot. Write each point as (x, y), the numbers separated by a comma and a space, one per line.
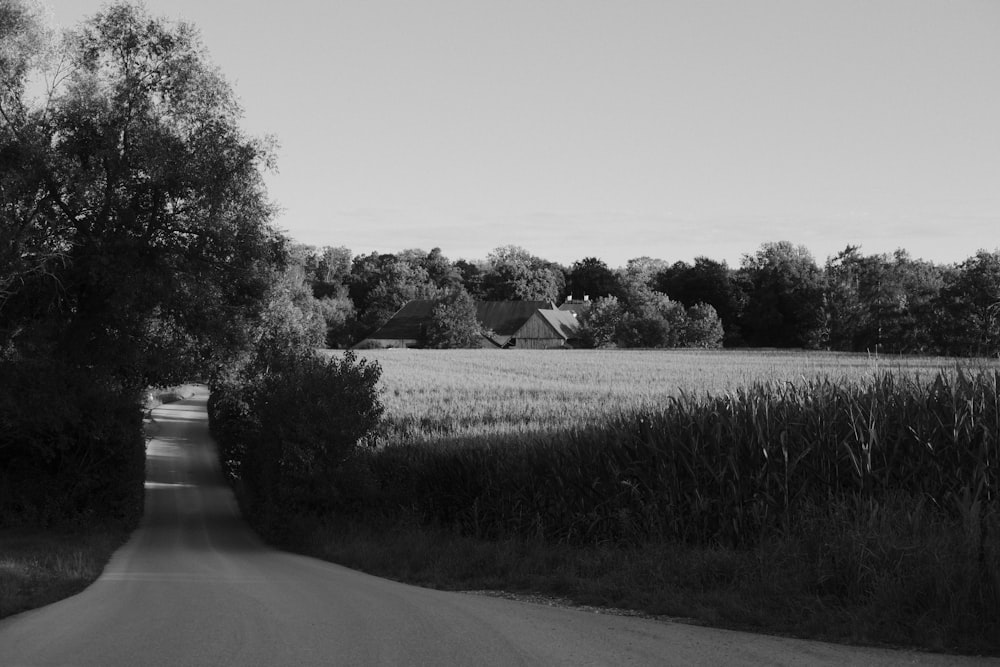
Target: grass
(38, 567)
(786, 585)
(881, 558)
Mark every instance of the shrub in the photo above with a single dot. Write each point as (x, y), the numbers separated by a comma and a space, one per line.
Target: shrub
(71, 446)
(288, 437)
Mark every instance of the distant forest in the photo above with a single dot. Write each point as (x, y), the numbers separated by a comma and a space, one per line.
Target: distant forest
(778, 296)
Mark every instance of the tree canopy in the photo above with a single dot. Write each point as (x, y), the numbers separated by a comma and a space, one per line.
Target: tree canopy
(135, 221)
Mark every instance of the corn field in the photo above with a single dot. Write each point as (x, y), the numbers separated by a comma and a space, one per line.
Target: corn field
(724, 468)
(859, 491)
(493, 397)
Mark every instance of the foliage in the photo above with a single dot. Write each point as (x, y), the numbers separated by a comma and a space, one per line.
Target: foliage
(138, 205)
(882, 303)
(652, 320)
(784, 305)
(639, 276)
(708, 282)
(704, 327)
(600, 324)
(288, 434)
(779, 297)
(453, 323)
(517, 275)
(71, 446)
(472, 276)
(972, 301)
(339, 315)
(592, 277)
(135, 249)
(381, 284)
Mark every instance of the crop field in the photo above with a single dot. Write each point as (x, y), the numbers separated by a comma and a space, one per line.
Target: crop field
(493, 396)
(857, 488)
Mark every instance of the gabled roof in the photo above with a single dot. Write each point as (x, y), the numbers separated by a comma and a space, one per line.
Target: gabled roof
(562, 321)
(408, 322)
(504, 318)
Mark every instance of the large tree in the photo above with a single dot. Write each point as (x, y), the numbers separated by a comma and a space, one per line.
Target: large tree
(454, 323)
(135, 249)
(784, 297)
(709, 282)
(971, 300)
(515, 274)
(591, 277)
(882, 302)
(133, 203)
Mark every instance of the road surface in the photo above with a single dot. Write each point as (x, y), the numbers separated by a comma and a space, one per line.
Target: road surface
(194, 586)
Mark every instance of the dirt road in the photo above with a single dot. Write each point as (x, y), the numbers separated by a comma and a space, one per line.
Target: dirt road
(194, 586)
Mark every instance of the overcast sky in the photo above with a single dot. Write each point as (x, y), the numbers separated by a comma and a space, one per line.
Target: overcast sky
(622, 128)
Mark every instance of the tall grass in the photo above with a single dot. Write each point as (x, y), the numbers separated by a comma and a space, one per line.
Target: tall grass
(38, 567)
(838, 495)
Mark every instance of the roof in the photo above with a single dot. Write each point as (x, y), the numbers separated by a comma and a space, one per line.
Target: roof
(407, 323)
(504, 318)
(562, 321)
(576, 307)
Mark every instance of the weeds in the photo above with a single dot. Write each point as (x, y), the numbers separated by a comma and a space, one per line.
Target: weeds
(40, 567)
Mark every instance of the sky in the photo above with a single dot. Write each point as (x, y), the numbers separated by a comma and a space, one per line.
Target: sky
(619, 128)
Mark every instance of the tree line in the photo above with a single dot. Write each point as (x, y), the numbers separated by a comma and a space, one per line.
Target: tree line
(779, 296)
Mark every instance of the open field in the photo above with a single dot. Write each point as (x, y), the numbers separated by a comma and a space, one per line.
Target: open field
(490, 396)
(822, 495)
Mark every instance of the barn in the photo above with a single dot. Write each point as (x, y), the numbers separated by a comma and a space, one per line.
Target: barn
(503, 319)
(405, 328)
(546, 329)
(506, 324)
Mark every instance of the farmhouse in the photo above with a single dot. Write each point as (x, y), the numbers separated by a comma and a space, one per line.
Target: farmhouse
(522, 324)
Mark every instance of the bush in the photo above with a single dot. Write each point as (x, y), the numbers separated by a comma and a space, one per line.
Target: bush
(71, 446)
(289, 438)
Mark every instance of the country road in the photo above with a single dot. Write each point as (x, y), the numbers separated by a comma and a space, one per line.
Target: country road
(194, 586)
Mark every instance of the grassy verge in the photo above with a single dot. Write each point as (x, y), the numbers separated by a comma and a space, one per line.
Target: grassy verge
(38, 567)
(848, 582)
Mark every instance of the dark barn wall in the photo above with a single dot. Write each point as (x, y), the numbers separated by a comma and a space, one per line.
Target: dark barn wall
(537, 334)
